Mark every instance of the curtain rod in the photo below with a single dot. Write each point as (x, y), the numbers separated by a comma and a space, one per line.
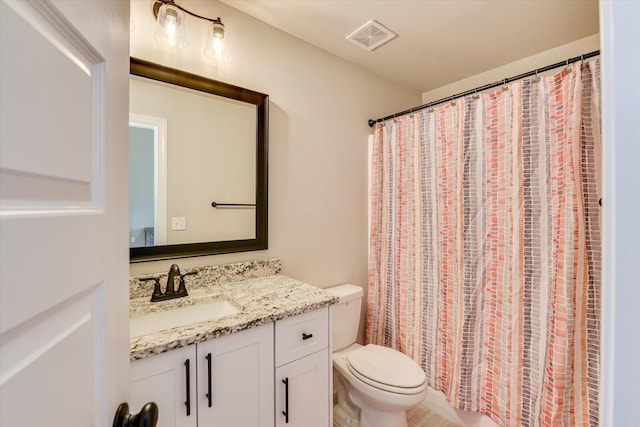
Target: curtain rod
(488, 86)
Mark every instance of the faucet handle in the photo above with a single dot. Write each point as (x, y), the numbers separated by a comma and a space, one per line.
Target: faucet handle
(190, 273)
(156, 286)
(183, 286)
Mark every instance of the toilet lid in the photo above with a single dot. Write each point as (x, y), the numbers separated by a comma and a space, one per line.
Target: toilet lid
(385, 366)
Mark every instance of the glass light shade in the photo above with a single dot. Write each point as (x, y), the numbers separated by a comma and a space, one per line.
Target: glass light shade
(170, 26)
(214, 47)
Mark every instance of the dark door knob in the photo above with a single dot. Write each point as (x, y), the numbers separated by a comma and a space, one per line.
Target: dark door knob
(147, 417)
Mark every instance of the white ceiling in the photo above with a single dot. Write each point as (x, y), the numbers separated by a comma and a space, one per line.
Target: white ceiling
(439, 41)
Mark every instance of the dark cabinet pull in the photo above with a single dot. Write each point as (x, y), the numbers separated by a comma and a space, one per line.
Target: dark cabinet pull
(187, 369)
(209, 394)
(286, 400)
(306, 336)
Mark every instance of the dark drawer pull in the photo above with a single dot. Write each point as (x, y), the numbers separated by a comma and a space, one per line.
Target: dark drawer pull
(306, 336)
(209, 393)
(187, 369)
(286, 400)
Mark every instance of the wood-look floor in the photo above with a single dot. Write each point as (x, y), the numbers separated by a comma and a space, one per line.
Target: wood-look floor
(422, 416)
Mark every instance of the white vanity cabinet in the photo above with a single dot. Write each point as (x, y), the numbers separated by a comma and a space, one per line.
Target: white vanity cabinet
(230, 382)
(302, 370)
(235, 379)
(169, 380)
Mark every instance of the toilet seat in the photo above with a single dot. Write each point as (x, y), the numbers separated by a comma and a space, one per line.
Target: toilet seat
(386, 369)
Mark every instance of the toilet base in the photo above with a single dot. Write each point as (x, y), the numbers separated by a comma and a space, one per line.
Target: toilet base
(372, 417)
(342, 419)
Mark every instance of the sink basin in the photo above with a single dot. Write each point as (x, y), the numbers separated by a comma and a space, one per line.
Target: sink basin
(155, 322)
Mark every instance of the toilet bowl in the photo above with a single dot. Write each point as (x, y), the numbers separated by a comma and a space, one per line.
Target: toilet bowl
(376, 385)
(382, 399)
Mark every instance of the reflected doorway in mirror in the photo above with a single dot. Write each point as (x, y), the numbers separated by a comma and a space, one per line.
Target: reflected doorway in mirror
(147, 180)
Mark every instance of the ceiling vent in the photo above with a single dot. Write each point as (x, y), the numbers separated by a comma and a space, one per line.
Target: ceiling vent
(371, 35)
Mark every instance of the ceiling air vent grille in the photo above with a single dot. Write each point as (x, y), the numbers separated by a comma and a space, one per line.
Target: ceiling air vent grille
(371, 35)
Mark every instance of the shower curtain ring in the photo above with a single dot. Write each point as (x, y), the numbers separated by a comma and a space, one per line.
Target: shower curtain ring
(504, 85)
(536, 79)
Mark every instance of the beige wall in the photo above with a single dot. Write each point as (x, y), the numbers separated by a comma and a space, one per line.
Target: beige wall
(319, 107)
(211, 148)
(551, 56)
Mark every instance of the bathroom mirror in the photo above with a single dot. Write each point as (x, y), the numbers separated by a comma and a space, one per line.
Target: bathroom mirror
(198, 165)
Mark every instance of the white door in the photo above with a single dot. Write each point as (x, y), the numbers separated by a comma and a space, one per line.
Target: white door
(63, 212)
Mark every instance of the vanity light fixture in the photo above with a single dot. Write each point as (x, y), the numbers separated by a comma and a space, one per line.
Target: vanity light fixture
(170, 27)
(213, 48)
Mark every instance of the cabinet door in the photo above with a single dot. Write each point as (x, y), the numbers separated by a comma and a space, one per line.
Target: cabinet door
(169, 379)
(235, 379)
(302, 392)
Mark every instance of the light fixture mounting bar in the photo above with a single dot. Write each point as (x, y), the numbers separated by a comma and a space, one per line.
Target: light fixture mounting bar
(158, 4)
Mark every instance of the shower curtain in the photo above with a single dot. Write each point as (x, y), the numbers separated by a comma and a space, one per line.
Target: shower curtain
(485, 248)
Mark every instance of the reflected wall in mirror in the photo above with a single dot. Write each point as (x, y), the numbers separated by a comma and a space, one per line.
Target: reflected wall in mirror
(198, 165)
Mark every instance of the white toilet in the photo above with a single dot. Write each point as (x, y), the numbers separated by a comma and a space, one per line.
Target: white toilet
(376, 385)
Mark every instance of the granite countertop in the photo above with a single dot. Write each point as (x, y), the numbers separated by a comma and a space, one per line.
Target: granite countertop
(262, 300)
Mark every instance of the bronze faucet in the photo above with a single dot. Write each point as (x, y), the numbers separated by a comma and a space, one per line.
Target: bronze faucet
(174, 271)
(170, 292)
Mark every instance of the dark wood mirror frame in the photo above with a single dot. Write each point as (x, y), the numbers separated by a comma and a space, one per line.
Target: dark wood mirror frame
(150, 70)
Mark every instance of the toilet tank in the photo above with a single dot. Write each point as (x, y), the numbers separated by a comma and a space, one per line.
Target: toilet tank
(345, 315)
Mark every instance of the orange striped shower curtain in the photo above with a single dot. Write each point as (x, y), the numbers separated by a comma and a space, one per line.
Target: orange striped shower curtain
(485, 248)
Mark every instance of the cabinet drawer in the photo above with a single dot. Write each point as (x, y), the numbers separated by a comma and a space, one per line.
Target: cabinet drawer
(298, 336)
